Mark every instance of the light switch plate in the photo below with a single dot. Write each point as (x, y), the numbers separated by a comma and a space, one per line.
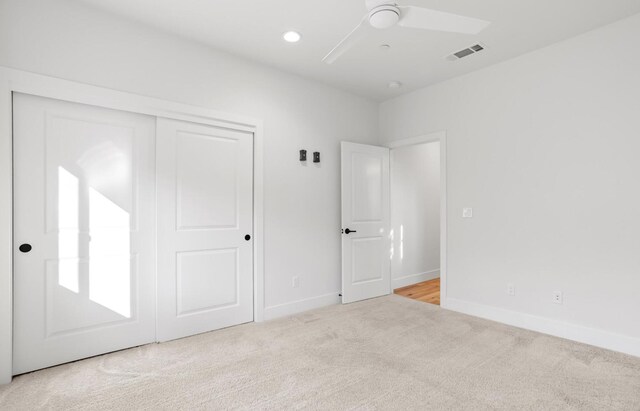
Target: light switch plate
(467, 213)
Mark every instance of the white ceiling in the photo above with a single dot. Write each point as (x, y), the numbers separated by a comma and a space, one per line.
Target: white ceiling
(253, 29)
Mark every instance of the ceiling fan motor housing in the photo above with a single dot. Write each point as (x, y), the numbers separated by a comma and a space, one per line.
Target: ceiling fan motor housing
(383, 17)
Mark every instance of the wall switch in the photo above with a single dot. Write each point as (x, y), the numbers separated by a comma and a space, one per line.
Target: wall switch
(295, 282)
(511, 289)
(557, 297)
(467, 213)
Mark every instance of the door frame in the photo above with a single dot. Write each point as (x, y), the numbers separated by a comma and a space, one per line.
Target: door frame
(12, 80)
(438, 136)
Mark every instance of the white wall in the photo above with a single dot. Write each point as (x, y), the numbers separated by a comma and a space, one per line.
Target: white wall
(545, 148)
(415, 213)
(69, 40)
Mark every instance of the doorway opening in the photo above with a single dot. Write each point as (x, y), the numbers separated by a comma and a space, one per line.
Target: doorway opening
(416, 194)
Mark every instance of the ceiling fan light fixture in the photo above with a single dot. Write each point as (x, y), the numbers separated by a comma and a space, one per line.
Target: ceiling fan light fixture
(383, 17)
(384, 14)
(291, 36)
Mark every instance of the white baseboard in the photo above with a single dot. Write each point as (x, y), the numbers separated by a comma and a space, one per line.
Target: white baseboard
(295, 307)
(586, 335)
(414, 278)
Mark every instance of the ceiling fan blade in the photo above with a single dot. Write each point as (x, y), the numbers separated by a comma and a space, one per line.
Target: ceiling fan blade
(420, 18)
(349, 41)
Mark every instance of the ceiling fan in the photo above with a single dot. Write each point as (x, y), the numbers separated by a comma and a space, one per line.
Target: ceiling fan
(385, 13)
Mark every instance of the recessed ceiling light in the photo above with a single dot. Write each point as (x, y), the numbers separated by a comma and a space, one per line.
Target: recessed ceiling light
(395, 85)
(291, 37)
(385, 47)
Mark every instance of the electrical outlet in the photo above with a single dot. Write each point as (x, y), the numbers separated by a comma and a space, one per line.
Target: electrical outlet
(511, 289)
(295, 282)
(557, 297)
(467, 212)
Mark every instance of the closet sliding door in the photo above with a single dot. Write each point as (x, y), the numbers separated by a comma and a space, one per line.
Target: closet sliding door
(128, 229)
(84, 231)
(205, 258)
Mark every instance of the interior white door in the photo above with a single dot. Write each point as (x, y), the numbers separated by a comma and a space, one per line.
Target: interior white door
(205, 203)
(365, 222)
(84, 201)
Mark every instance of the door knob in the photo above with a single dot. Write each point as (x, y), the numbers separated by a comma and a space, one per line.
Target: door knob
(25, 248)
(247, 237)
(347, 231)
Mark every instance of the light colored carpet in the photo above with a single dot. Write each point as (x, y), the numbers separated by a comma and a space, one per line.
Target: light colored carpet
(385, 353)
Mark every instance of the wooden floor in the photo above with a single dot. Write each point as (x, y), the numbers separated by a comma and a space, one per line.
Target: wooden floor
(427, 291)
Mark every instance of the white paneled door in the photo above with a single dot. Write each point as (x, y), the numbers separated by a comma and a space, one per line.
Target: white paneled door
(365, 222)
(95, 268)
(84, 231)
(205, 275)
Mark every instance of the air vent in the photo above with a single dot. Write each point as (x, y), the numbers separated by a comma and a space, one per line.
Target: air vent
(466, 52)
